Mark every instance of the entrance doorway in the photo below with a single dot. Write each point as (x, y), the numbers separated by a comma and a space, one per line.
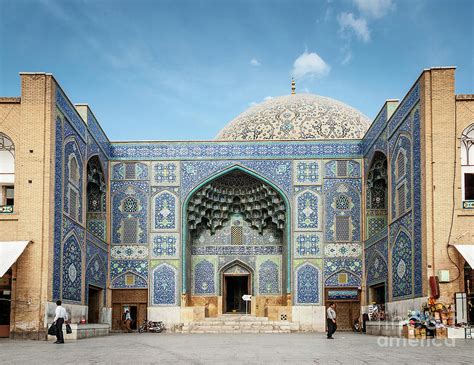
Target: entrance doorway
(234, 287)
(347, 306)
(94, 304)
(5, 303)
(377, 294)
(134, 300)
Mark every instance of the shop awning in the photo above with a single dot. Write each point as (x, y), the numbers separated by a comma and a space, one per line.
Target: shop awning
(9, 253)
(467, 251)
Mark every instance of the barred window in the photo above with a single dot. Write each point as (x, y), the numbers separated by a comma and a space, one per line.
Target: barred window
(74, 171)
(342, 228)
(130, 230)
(130, 171)
(400, 165)
(236, 235)
(130, 205)
(342, 202)
(73, 203)
(401, 199)
(341, 168)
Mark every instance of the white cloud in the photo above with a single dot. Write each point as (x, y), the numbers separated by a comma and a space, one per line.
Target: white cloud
(310, 65)
(348, 22)
(374, 8)
(268, 98)
(255, 62)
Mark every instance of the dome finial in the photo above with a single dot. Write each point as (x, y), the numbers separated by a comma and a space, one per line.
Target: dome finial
(293, 86)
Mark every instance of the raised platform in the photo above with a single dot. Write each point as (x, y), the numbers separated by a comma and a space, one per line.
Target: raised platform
(384, 328)
(234, 323)
(88, 330)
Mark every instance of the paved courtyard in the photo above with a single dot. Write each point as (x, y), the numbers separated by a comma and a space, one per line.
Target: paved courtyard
(297, 348)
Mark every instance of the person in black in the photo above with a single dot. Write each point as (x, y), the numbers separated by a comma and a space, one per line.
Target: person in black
(59, 318)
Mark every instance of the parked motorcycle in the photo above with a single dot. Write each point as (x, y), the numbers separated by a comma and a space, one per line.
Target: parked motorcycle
(150, 326)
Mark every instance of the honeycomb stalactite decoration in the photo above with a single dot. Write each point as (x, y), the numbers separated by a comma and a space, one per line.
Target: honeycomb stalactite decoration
(301, 116)
(236, 192)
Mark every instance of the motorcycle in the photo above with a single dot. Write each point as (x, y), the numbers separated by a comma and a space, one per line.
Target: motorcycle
(150, 326)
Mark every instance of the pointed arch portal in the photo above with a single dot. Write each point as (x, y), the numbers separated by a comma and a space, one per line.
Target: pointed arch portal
(236, 214)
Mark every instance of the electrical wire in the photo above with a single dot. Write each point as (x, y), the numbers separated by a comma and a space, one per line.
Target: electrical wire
(454, 198)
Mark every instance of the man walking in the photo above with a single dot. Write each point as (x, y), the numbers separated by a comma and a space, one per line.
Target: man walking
(61, 316)
(331, 320)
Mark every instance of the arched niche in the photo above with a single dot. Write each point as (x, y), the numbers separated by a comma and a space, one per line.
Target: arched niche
(377, 195)
(96, 193)
(243, 215)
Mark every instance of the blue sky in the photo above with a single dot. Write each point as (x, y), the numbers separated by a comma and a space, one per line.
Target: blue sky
(180, 70)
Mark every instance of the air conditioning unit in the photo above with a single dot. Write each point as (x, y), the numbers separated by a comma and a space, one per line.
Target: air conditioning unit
(443, 276)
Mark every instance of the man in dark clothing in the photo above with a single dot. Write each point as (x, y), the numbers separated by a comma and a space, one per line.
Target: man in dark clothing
(331, 320)
(59, 318)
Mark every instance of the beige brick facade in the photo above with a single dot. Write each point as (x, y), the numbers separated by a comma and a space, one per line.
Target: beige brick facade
(29, 124)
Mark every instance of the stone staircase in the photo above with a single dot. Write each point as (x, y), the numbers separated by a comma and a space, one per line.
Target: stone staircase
(232, 323)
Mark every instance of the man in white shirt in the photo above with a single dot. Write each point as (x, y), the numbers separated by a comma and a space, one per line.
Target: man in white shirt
(331, 320)
(60, 317)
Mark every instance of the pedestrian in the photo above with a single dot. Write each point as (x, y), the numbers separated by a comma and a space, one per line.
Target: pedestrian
(60, 317)
(331, 320)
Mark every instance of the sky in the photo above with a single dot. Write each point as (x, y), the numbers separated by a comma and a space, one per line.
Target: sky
(181, 70)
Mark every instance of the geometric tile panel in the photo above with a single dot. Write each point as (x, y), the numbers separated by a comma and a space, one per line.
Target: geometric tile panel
(130, 171)
(72, 270)
(204, 277)
(165, 216)
(120, 268)
(342, 250)
(129, 211)
(308, 244)
(165, 173)
(342, 169)
(307, 210)
(269, 278)
(376, 268)
(375, 224)
(307, 284)
(164, 245)
(128, 252)
(350, 266)
(402, 266)
(349, 190)
(165, 289)
(307, 172)
(58, 212)
(96, 268)
(276, 171)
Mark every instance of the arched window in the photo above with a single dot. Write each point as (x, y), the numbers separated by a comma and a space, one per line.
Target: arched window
(467, 167)
(376, 205)
(74, 171)
(7, 174)
(96, 199)
(401, 165)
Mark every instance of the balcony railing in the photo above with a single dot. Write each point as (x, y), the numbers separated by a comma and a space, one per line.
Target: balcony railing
(6, 208)
(468, 204)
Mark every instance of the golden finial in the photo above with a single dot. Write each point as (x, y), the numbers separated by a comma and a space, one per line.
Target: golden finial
(293, 86)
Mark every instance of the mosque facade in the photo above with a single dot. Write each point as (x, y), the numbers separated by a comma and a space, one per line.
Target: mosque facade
(299, 201)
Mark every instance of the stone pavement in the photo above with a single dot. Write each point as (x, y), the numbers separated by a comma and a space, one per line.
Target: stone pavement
(288, 348)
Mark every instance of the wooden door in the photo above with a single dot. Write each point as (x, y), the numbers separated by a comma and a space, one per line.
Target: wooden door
(343, 315)
(142, 315)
